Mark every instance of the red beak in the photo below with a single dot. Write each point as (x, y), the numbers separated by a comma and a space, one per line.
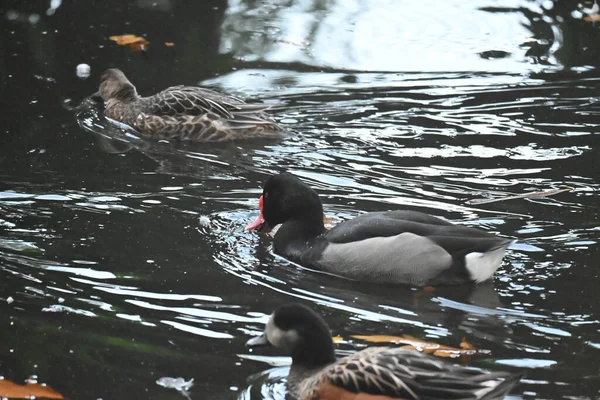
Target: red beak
(259, 224)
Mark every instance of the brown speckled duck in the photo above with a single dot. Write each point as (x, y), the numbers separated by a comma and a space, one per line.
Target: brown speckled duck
(184, 112)
(376, 373)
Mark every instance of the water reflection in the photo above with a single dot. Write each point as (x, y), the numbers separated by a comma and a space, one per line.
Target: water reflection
(124, 261)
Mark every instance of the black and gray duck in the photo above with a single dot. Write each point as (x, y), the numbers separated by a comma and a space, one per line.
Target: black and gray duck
(376, 373)
(184, 112)
(401, 246)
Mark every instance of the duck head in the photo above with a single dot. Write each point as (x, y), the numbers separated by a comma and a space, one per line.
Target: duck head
(300, 333)
(115, 85)
(286, 197)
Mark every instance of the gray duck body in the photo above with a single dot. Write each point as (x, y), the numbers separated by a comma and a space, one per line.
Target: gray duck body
(392, 247)
(185, 112)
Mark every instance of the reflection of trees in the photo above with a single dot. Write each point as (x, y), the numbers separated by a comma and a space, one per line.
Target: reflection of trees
(253, 29)
(580, 35)
(563, 30)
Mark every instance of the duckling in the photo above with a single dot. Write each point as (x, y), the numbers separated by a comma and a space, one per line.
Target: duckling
(184, 112)
(375, 373)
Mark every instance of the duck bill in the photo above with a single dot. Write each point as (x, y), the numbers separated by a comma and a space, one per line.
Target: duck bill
(259, 224)
(258, 341)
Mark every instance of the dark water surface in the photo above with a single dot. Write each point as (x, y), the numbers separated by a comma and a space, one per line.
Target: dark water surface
(124, 261)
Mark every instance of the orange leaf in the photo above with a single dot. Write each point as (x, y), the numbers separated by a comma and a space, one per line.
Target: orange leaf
(592, 18)
(417, 344)
(134, 42)
(11, 390)
(169, 44)
(466, 345)
(337, 339)
(379, 338)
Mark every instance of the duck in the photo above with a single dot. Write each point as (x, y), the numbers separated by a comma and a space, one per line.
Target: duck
(375, 373)
(184, 112)
(387, 247)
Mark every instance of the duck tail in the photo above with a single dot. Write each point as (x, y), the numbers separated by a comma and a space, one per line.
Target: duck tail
(503, 389)
(504, 244)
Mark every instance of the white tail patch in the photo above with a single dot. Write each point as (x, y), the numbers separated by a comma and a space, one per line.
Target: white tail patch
(481, 266)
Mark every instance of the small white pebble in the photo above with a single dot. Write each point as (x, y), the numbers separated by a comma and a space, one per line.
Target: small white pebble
(34, 18)
(9, 299)
(83, 71)
(12, 15)
(204, 221)
(61, 300)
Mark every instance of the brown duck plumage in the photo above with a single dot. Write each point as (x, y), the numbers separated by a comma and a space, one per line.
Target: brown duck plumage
(376, 373)
(184, 112)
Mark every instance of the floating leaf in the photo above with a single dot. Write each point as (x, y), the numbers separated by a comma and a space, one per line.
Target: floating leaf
(592, 18)
(328, 221)
(169, 44)
(135, 43)
(532, 195)
(466, 345)
(337, 339)
(12, 390)
(302, 43)
(411, 342)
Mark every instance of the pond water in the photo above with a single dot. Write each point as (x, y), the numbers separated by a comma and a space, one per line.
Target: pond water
(124, 261)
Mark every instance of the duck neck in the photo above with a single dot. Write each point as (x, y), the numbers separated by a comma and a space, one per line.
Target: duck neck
(314, 354)
(296, 234)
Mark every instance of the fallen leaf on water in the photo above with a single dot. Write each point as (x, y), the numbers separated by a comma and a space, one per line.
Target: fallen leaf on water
(178, 384)
(169, 44)
(532, 195)
(337, 339)
(299, 44)
(135, 43)
(592, 18)
(12, 390)
(466, 345)
(328, 221)
(411, 342)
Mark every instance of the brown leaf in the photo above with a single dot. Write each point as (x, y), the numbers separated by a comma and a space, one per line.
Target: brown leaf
(379, 338)
(169, 44)
(135, 43)
(592, 18)
(410, 342)
(12, 390)
(328, 221)
(466, 345)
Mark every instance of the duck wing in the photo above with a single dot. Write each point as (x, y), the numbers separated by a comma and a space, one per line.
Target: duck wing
(191, 100)
(207, 127)
(409, 374)
(457, 240)
(406, 247)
